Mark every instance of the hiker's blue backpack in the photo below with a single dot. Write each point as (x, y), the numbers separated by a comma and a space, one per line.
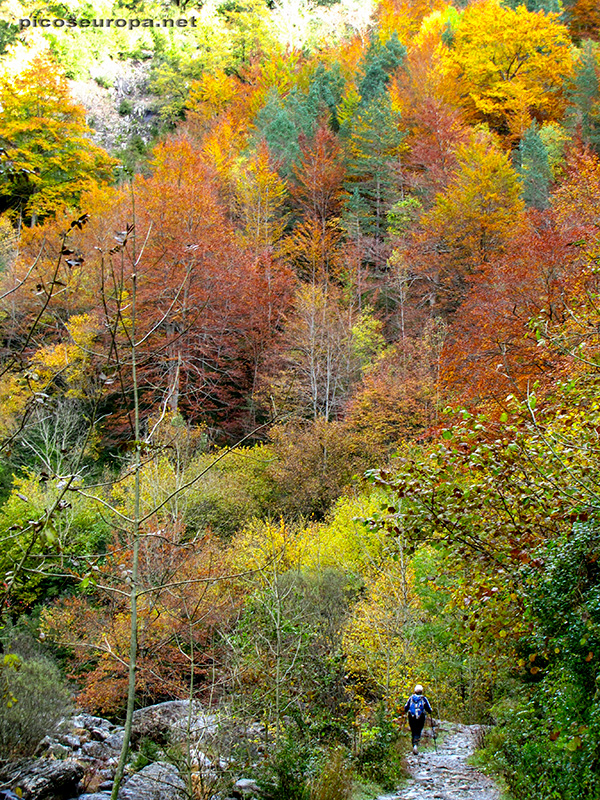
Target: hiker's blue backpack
(416, 706)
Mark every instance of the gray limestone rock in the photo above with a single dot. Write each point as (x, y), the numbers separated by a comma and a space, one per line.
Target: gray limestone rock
(245, 787)
(97, 750)
(157, 781)
(69, 740)
(42, 779)
(169, 722)
(114, 741)
(94, 796)
(89, 722)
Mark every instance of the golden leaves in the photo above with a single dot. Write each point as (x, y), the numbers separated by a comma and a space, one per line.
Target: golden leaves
(506, 66)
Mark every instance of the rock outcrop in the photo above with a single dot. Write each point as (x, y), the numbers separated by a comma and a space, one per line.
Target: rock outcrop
(79, 761)
(157, 781)
(170, 722)
(42, 779)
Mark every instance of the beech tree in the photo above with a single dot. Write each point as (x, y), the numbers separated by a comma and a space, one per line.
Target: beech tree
(471, 220)
(505, 67)
(260, 198)
(326, 347)
(492, 349)
(584, 18)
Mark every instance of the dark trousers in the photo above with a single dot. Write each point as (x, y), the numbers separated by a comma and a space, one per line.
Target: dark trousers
(416, 727)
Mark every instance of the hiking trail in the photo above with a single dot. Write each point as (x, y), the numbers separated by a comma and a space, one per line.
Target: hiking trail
(445, 775)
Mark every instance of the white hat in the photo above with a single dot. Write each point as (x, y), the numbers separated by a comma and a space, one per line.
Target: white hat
(418, 689)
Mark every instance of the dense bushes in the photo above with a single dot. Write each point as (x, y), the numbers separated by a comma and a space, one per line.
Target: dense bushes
(34, 700)
(379, 758)
(302, 768)
(547, 739)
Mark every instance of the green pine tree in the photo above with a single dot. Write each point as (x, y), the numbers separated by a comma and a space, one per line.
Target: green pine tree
(586, 97)
(373, 143)
(282, 120)
(535, 168)
(277, 123)
(379, 64)
(547, 6)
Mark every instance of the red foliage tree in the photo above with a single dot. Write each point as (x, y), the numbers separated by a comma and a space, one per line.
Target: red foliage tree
(317, 191)
(493, 348)
(207, 308)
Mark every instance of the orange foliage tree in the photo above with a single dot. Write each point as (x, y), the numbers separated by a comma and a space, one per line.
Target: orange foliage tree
(209, 308)
(437, 132)
(577, 199)
(584, 18)
(179, 609)
(493, 349)
(317, 192)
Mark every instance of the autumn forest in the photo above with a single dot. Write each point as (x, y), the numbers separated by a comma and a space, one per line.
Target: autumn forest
(299, 373)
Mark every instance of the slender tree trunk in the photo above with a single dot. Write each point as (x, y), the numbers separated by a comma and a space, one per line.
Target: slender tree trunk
(133, 646)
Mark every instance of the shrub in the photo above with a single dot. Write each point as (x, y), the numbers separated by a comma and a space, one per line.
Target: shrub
(539, 755)
(379, 758)
(148, 752)
(334, 781)
(125, 107)
(34, 700)
(284, 776)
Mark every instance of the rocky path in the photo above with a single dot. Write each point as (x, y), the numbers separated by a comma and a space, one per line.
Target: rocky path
(445, 775)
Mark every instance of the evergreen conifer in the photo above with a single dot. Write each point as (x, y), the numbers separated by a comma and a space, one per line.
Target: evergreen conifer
(586, 97)
(535, 168)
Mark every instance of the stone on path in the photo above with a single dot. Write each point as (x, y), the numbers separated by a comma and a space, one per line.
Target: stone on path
(445, 775)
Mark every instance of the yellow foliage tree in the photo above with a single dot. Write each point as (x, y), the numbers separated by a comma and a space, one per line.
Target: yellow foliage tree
(381, 652)
(48, 157)
(260, 198)
(70, 359)
(482, 205)
(404, 17)
(505, 66)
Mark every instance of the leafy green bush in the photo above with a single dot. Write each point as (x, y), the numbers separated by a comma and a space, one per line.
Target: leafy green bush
(547, 738)
(284, 775)
(125, 107)
(379, 758)
(148, 752)
(535, 761)
(34, 700)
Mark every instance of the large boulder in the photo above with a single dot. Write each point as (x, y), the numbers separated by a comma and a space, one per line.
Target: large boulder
(42, 779)
(168, 722)
(157, 781)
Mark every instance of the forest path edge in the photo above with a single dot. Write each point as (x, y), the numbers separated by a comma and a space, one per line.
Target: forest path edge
(445, 774)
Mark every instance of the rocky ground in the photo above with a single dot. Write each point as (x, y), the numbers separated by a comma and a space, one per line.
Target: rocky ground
(445, 774)
(78, 762)
(119, 103)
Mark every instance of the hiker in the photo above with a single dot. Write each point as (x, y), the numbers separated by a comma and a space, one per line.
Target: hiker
(417, 707)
